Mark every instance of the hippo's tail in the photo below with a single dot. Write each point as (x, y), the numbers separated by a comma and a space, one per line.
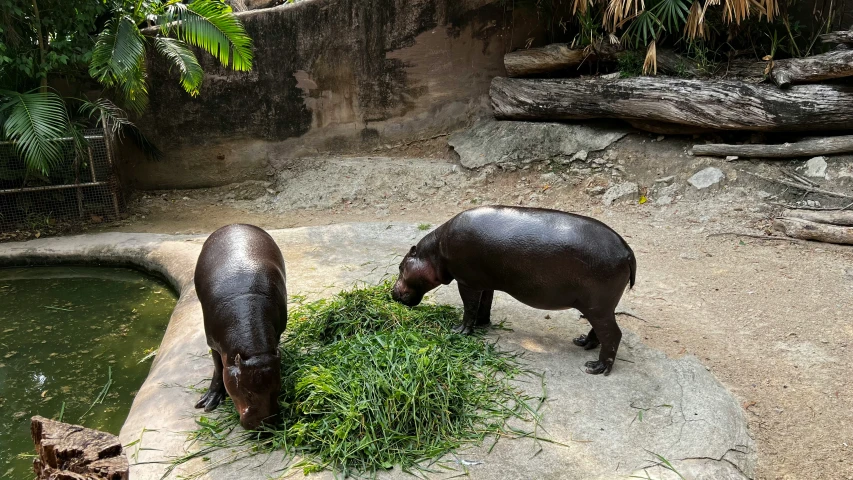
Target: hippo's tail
(632, 264)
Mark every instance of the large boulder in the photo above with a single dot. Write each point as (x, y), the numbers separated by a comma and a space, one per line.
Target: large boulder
(518, 143)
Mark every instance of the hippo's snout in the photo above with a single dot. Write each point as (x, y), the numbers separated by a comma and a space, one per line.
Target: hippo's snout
(403, 295)
(253, 418)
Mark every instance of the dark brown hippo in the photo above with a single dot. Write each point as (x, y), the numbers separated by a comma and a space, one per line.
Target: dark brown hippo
(547, 259)
(240, 281)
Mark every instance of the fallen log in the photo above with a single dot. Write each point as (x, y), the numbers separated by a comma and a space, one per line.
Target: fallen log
(72, 451)
(845, 36)
(805, 148)
(799, 186)
(826, 66)
(553, 58)
(821, 232)
(712, 104)
(750, 71)
(558, 57)
(842, 218)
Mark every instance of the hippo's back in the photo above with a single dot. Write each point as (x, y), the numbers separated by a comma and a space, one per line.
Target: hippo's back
(239, 275)
(539, 232)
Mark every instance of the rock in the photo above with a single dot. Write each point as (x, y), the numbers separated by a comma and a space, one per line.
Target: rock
(618, 192)
(73, 452)
(666, 180)
(595, 190)
(517, 143)
(706, 178)
(732, 158)
(581, 155)
(664, 200)
(599, 161)
(816, 167)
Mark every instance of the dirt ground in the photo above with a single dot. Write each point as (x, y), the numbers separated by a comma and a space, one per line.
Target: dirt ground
(770, 318)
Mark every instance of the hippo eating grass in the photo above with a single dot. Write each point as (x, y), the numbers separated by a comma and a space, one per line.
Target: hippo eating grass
(240, 281)
(546, 259)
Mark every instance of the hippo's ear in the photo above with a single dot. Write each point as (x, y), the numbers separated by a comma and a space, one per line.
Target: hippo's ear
(413, 251)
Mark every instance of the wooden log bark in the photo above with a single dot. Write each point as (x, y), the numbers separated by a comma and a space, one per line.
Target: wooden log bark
(842, 217)
(821, 232)
(750, 71)
(712, 104)
(826, 66)
(558, 57)
(845, 36)
(805, 148)
(73, 452)
(554, 58)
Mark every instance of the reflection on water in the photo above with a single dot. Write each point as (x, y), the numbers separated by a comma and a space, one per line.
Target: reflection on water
(64, 332)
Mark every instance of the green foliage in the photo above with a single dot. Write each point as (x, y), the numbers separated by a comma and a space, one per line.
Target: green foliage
(630, 64)
(368, 384)
(32, 120)
(66, 28)
(48, 38)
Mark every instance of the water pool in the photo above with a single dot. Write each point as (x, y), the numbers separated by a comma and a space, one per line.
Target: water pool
(65, 332)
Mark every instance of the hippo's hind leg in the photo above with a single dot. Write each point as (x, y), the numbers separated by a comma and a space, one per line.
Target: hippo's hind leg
(477, 306)
(606, 331)
(216, 392)
(588, 342)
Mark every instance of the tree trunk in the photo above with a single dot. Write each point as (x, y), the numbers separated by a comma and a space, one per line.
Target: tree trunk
(821, 232)
(840, 217)
(805, 148)
(716, 104)
(837, 64)
(837, 37)
(72, 452)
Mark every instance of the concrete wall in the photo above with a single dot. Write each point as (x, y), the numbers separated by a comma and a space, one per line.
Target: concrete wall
(338, 76)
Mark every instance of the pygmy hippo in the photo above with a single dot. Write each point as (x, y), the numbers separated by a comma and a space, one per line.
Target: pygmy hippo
(240, 281)
(546, 259)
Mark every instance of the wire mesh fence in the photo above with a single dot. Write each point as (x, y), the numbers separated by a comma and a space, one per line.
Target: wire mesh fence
(82, 188)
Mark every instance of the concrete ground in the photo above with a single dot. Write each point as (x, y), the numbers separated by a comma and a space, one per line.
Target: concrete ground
(688, 416)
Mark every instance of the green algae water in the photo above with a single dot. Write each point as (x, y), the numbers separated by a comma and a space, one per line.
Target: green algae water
(65, 333)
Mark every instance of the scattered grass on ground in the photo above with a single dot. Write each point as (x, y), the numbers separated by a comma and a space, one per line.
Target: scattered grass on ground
(369, 384)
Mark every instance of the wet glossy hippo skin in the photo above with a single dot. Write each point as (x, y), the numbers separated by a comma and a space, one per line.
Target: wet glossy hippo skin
(546, 259)
(240, 282)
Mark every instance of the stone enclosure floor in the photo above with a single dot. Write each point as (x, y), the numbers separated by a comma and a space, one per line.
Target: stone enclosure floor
(688, 416)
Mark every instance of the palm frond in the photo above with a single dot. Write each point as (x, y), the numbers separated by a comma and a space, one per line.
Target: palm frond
(643, 29)
(618, 11)
(736, 10)
(34, 121)
(212, 26)
(105, 111)
(695, 26)
(672, 13)
(133, 92)
(119, 49)
(182, 57)
(650, 64)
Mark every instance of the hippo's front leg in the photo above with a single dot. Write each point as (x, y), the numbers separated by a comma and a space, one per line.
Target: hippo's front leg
(216, 392)
(588, 342)
(477, 305)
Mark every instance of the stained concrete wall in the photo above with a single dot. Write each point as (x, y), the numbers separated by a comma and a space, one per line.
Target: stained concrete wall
(330, 76)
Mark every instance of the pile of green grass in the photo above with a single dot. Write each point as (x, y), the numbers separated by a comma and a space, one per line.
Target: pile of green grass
(368, 384)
